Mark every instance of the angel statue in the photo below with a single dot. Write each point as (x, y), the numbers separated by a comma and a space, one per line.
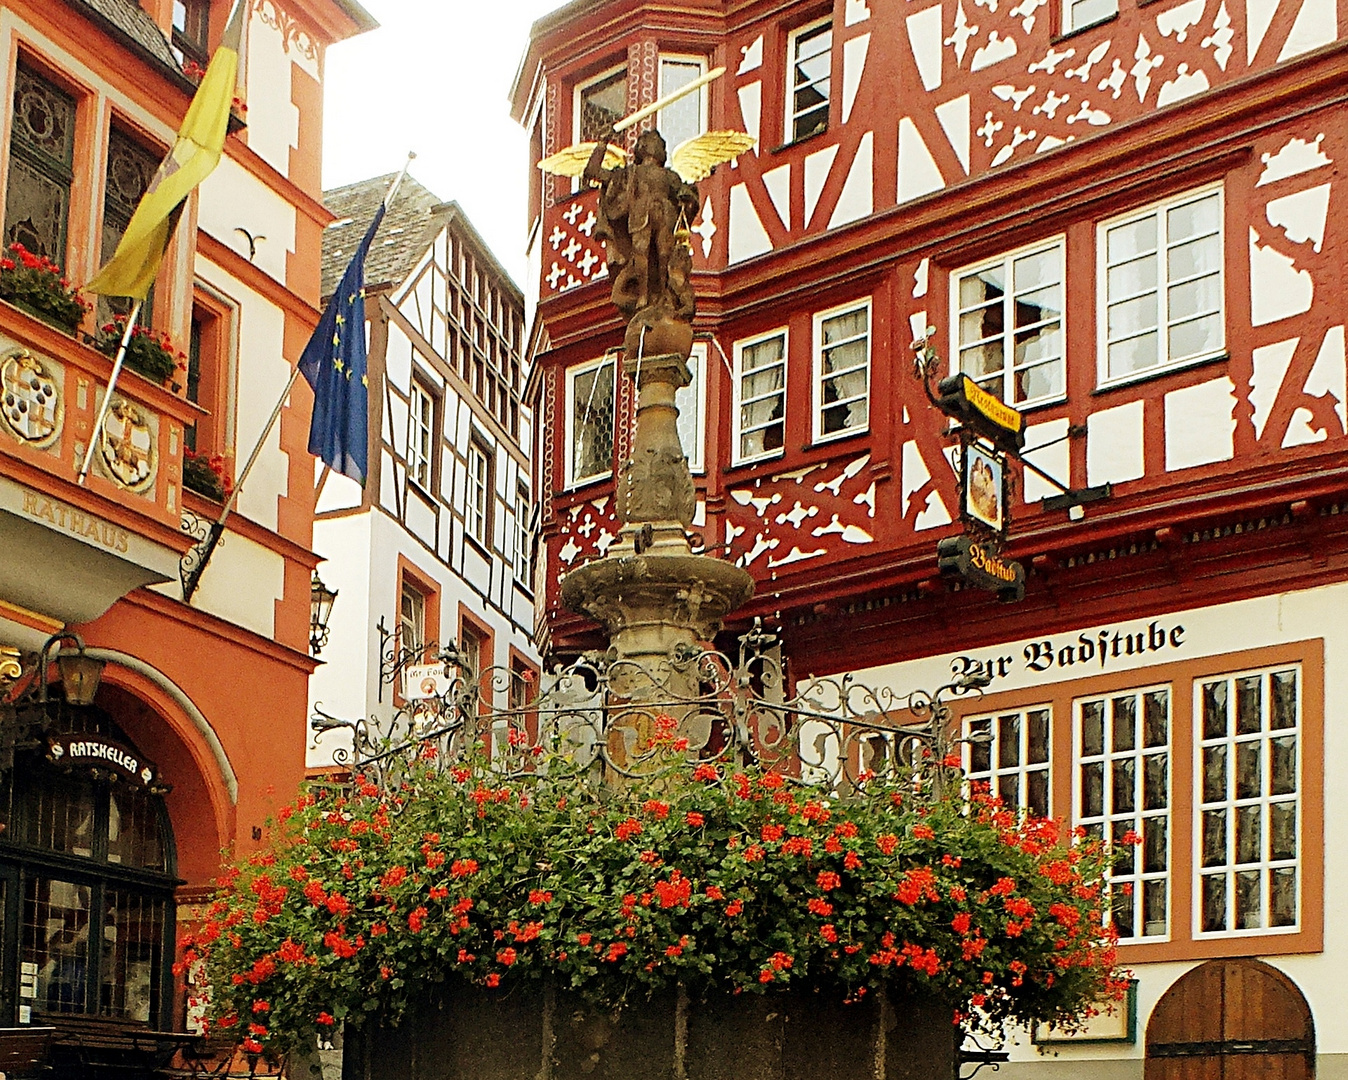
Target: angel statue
(645, 209)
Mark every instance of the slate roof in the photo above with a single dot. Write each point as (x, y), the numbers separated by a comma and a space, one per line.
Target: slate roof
(410, 226)
(128, 20)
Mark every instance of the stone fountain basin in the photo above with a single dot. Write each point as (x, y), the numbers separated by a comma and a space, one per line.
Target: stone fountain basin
(529, 1033)
(681, 592)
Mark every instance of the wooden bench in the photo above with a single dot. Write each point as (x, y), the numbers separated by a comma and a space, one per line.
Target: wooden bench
(26, 1051)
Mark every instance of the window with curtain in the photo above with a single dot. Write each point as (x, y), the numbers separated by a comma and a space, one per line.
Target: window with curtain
(842, 371)
(760, 397)
(1161, 287)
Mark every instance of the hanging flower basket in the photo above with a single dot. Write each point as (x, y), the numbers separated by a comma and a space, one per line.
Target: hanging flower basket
(722, 880)
(207, 475)
(150, 352)
(36, 284)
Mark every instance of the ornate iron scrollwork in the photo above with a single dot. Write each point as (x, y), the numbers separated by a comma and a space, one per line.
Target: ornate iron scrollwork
(831, 733)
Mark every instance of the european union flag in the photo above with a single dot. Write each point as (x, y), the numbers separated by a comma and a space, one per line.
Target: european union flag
(334, 365)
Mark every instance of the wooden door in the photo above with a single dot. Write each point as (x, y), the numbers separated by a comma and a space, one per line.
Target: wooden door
(1231, 1020)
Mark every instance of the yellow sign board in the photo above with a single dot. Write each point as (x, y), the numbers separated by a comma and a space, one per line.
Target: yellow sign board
(998, 412)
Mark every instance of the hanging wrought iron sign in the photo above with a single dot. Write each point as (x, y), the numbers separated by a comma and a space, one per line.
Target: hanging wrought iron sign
(962, 399)
(984, 487)
(979, 564)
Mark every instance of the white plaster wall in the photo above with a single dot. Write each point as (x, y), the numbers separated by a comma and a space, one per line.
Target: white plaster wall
(275, 128)
(242, 584)
(342, 685)
(262, 375)
(364, 550)
(398, 358)
(1210, 631)
(233, 198)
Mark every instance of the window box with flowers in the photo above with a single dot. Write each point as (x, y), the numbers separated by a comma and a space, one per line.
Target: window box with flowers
(149, 352)
(207, 474)
(720, 881)
(238, 108)
(36, 284)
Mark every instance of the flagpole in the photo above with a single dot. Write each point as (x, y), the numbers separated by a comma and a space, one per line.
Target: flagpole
(107, 398)
(212, 540)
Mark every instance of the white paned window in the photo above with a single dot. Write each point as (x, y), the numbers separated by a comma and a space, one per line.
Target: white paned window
(692, 402)
(411, 618)
(810, 53)
(759, 417)
(1009, 324)
(842, 371)
(1161, 282)
(523, 537)
(687, 117)
(477, 517)
(589, 421)
(1122, 787)
(1011, 755)
(420, 436)
(1078, 14)
(1249, 806)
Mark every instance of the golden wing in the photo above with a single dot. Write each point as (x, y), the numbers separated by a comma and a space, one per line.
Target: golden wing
(572, 160)
(695, 158)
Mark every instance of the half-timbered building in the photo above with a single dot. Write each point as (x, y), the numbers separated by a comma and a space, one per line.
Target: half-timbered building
(117, 796)
(436, 547)
(1123, 218)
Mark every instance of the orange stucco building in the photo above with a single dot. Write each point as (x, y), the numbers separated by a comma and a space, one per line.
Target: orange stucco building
(115, 813)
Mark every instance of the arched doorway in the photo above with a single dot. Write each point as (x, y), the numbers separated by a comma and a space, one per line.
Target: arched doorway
(87, 878)
(1231, 1020)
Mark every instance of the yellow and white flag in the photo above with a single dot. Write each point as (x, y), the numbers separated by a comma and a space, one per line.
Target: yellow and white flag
(201, 140)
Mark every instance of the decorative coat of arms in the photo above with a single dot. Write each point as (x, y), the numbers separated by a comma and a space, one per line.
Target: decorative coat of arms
(31, 403)
(127, 446)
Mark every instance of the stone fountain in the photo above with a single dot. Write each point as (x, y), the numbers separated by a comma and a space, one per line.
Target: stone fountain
(653, 595)
(657, 599)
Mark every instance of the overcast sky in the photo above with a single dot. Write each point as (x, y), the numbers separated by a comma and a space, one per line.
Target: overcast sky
(434, 78)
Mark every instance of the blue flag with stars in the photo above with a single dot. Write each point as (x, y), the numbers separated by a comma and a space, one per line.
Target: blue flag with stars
(334, 365)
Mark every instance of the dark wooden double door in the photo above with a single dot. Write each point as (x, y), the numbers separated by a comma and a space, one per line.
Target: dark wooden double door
(1231, 1020)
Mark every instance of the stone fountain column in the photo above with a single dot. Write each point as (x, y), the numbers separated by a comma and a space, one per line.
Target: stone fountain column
(650, 591)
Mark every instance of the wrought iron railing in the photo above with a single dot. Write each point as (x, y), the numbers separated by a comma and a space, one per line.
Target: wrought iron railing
(623, 717)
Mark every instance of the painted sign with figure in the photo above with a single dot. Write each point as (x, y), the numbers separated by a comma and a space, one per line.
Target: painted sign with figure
(983, 487)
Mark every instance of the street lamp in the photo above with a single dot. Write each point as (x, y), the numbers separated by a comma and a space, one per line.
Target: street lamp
(320, 610)
(80, 673)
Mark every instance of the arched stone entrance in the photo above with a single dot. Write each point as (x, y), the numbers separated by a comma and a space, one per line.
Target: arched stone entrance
(1231, 1020)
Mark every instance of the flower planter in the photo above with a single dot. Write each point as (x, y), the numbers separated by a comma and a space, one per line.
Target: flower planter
(42, 316)
(474, 1034)
(149, 353)
(34, 284)
(206, 475)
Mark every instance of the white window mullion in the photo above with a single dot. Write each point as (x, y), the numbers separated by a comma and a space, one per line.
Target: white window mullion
(589, 421)
(1122, 784)
(1143, 253)
(830, 419)
(992, 292)
(759, 362)
(1012, 756)
(1248, 809)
